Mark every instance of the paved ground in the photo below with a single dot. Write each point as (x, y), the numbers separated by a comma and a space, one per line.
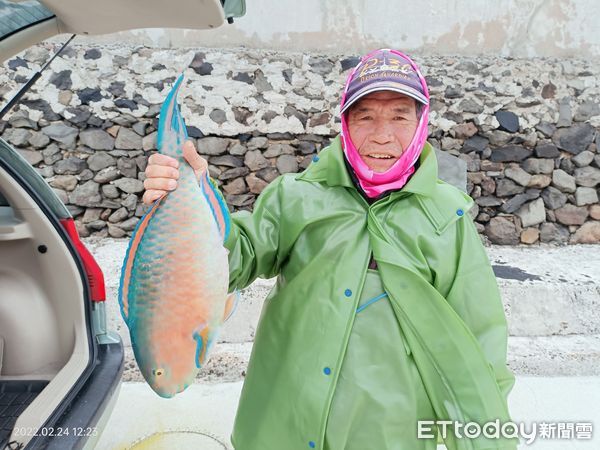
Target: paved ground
(202, 416)
(552, 302)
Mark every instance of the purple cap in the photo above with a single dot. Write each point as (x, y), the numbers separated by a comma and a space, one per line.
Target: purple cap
(384, 70)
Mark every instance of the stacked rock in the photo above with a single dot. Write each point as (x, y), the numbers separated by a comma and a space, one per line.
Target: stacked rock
(527, 129)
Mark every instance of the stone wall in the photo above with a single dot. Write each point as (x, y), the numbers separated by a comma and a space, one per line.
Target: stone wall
(527, 129)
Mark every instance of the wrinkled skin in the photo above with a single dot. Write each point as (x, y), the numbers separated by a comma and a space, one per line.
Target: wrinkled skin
(382, 124)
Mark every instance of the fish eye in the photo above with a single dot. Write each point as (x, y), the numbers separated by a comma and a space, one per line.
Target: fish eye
(158, 372)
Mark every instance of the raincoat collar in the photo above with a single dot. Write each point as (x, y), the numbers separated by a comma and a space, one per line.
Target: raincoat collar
(329, 167)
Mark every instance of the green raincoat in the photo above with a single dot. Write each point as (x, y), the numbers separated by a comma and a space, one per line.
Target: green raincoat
(316, 233)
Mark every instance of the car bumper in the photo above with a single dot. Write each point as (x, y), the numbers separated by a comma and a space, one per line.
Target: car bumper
(83, 421)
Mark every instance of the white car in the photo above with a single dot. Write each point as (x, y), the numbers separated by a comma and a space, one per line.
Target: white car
(60, 368)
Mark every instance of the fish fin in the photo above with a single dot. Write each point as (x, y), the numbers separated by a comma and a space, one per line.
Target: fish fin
(200, 350)
(204, 339)
(217, 205)
(171, 124)
(231, 305)
(129, 259)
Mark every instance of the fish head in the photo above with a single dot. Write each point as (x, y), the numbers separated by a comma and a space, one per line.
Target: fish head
(169, 365)
(161, 380)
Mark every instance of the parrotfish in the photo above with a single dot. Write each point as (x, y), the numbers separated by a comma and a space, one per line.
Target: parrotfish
(173, 292)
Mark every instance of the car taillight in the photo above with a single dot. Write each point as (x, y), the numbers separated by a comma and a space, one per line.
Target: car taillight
(92, 269)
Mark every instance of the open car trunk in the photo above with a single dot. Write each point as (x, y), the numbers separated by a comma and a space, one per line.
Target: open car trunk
(59, 367)
(46, 345)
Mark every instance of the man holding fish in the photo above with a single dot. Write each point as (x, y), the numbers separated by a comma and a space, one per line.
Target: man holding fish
(386, 311)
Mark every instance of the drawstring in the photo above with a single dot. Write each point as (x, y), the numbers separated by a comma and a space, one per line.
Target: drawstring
(373, 300)
(370, 302)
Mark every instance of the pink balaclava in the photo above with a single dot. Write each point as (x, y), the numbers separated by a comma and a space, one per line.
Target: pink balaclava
(385, 70)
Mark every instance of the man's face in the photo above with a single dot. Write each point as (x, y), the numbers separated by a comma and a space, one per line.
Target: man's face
(381, 126)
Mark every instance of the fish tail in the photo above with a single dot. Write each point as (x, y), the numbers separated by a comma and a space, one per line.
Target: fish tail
(217, 205)
(172, 131)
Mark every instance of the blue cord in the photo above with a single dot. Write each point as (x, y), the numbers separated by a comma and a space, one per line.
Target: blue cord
(373, 300)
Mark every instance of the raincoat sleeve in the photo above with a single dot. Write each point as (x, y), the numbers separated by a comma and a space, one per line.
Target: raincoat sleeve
(253, 239)
(475, 296)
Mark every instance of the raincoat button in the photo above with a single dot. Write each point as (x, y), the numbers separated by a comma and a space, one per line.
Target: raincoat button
(326, 370)
(315, 158)
(312, 444)
(347, 292)
(459, 212)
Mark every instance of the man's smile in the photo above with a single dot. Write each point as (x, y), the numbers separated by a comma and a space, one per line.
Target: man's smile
(380, 156)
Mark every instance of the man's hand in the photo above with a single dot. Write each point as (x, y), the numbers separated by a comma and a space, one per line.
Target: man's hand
(162, 173)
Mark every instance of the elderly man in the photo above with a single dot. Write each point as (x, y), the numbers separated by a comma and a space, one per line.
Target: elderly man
(386, 311)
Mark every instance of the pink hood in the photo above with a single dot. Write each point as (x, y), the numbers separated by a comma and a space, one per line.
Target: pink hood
(375, 183)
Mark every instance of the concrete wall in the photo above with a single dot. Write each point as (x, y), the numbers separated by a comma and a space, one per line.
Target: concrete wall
(520, 28)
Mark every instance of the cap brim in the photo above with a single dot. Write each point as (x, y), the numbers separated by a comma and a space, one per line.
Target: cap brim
(384, 86)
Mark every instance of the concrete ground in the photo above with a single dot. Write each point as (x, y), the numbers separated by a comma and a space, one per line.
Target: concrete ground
(552, 302)
(202, 416)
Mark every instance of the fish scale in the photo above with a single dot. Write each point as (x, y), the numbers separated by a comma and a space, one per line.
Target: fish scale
(175, 276)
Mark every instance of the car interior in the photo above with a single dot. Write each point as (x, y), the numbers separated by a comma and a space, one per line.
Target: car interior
(51, 289)
(45, 341)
